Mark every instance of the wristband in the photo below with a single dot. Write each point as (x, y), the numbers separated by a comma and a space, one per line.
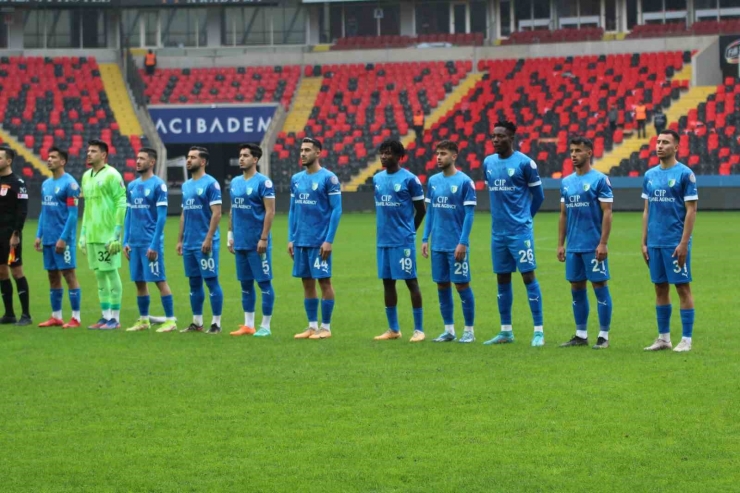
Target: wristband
(230, 236)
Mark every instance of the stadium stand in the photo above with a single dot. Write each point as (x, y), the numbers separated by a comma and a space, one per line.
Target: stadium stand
(709, 137)
(556, 36)
(223, 85)
(659, 30)
(390, 41)
(359, 106)
(551, 99)
(62, 102)
(727, 26)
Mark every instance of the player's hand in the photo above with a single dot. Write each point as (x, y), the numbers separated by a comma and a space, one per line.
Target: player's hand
(645, 254)
(425, 250)
(61, 246)
(207, 246)
(14, 240)
(113, 247)
(460, 252)
(37, 244)
(325, 250)
(261, 246)
(231, 246)
(601, 252)
(127, 252)
(178, 248)
(680, 253)
(151, 255)
(82, 243)
(291, 250)
(561, 253)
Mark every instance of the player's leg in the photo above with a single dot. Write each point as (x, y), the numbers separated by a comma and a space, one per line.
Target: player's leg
(418, 310)
(522, 249)
(249, 296)
(263, 274)
(197, 293)
(56, 295)
(575, 273)
(137, 266)
(461, 277)
(327, 309)
(311, 306)
(216, 294)
(441, 275)
(503, 265)
(598, 273)
(687, 316)
(402, 262)
(75, 297)
(21, 284)
(390, 298)
(663, 307)
(6, 286)
(168, 304)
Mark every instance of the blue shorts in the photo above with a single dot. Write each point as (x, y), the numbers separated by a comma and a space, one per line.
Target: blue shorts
(513, 252)
(197, 264)
(583, 266)
(307, 264)
(446, 269)
(251, 266)
(60, 261)
(397, 263)
(664, 268)
(142, 270)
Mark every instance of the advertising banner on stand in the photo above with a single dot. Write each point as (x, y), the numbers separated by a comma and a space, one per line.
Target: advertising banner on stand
(729, 55)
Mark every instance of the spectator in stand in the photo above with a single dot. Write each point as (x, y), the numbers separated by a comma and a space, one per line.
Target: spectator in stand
(641, 117)
(613, 116)
(150, 62)
(660, 121)
(419, 125)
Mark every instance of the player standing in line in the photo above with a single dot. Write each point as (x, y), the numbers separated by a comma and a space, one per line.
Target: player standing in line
(55, 236)
(13, 210)
(515, 191)
(199, 239)
(668, 221)
(315, 211)
(451, 198)
(250, 221)
(399, 206)
(585, 222)
(102, 230)
(143, 240)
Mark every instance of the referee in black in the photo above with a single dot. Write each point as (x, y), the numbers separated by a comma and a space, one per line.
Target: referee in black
(13, 211)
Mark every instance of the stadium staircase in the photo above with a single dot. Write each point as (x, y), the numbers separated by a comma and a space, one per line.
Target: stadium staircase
(300, 111)
(119, 100)
(442, 111)
(22, 151)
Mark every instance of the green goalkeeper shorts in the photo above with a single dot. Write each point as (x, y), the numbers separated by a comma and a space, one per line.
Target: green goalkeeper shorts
(98, 258)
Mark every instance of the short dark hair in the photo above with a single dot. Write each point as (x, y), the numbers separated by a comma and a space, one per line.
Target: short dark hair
(448, 145)
(150, 152)
(202, 152)
(9, 153)
(394, 146)
(672, 133)
(62, 154)
(580, 140)
(315, 142)
(99, 144)
(254, 149)
(507, 125)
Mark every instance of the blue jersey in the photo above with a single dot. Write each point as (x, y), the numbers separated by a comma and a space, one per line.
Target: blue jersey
(508, 183)
(395, 195)
(667, 191)
(142, 200)
(197, 198)
(58, 196)
(448, 196)
(248, 209)
(312, 209)
(582, 197)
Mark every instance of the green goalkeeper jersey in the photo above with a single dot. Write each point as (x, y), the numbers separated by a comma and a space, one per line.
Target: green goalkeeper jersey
(105, 204)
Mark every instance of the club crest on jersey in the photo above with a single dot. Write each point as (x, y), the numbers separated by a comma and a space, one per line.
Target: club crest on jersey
(586, 187)
(147, 192)
(249, 191)
(314, 186)
(528, 243)
(671, 182)
(406, 252)
(397, 187)
(263, 256)
(199, 191)
(453, 188)
(56, 190)
(511, 171)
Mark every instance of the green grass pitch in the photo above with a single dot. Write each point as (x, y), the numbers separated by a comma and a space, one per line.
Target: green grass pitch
(88, 411)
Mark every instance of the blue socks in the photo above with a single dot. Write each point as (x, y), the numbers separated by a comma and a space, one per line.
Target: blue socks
(197, 295)
(168, 304)
(535, 302)
(604, 300)
(75, 299)
(580, 308)
(468, 306)
(327, 307)
(663, 313)
(143, 303)
(268, 297)
(312, 310)
(56, 296)
(446, 305)
(419, 319)
(687, 321)
(249, 297)
(505, 300)
(217, 296)
(391, 313)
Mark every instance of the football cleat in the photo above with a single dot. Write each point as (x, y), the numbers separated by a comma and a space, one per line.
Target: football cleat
(467, 337)
(98, 324)
(72, 324)
(683, 347)
(445, 337)
(305, 334)
(214, 330)
(503, 337)
(321, 334)
(141, 324)
(263, 332)
(418, 336)
(388, 335)
(23, 321)
(112, 324)
(52, 322)
(243, 330)
(538, 339)
(659, 345)
(576, 341)
(167, 326)
(8, 319)
(601, 343)
(193, 328)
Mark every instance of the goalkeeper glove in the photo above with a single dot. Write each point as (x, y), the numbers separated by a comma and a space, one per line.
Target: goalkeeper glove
(83, 242)
(114, 246)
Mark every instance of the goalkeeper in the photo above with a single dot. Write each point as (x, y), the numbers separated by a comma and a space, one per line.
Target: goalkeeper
(102, 230)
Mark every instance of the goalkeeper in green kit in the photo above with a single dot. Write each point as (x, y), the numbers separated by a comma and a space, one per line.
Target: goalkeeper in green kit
(102, 230)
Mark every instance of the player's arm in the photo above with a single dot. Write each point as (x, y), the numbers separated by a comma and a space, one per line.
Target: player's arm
(269, 203)
(417, 197)
(118, 192)
(70, 225)
(39, 232)
(335, 202)
(682, 250)
(535, 186)
(291, 224)
(606, 229)
(469, 204)
(427, 231)
(20, 214)
(161, 204)
(562, 224)
(126, 226)
(230, 234)
(82, 242)
(212, 227)
(180, 233)
(645, 233)
(420, 211)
